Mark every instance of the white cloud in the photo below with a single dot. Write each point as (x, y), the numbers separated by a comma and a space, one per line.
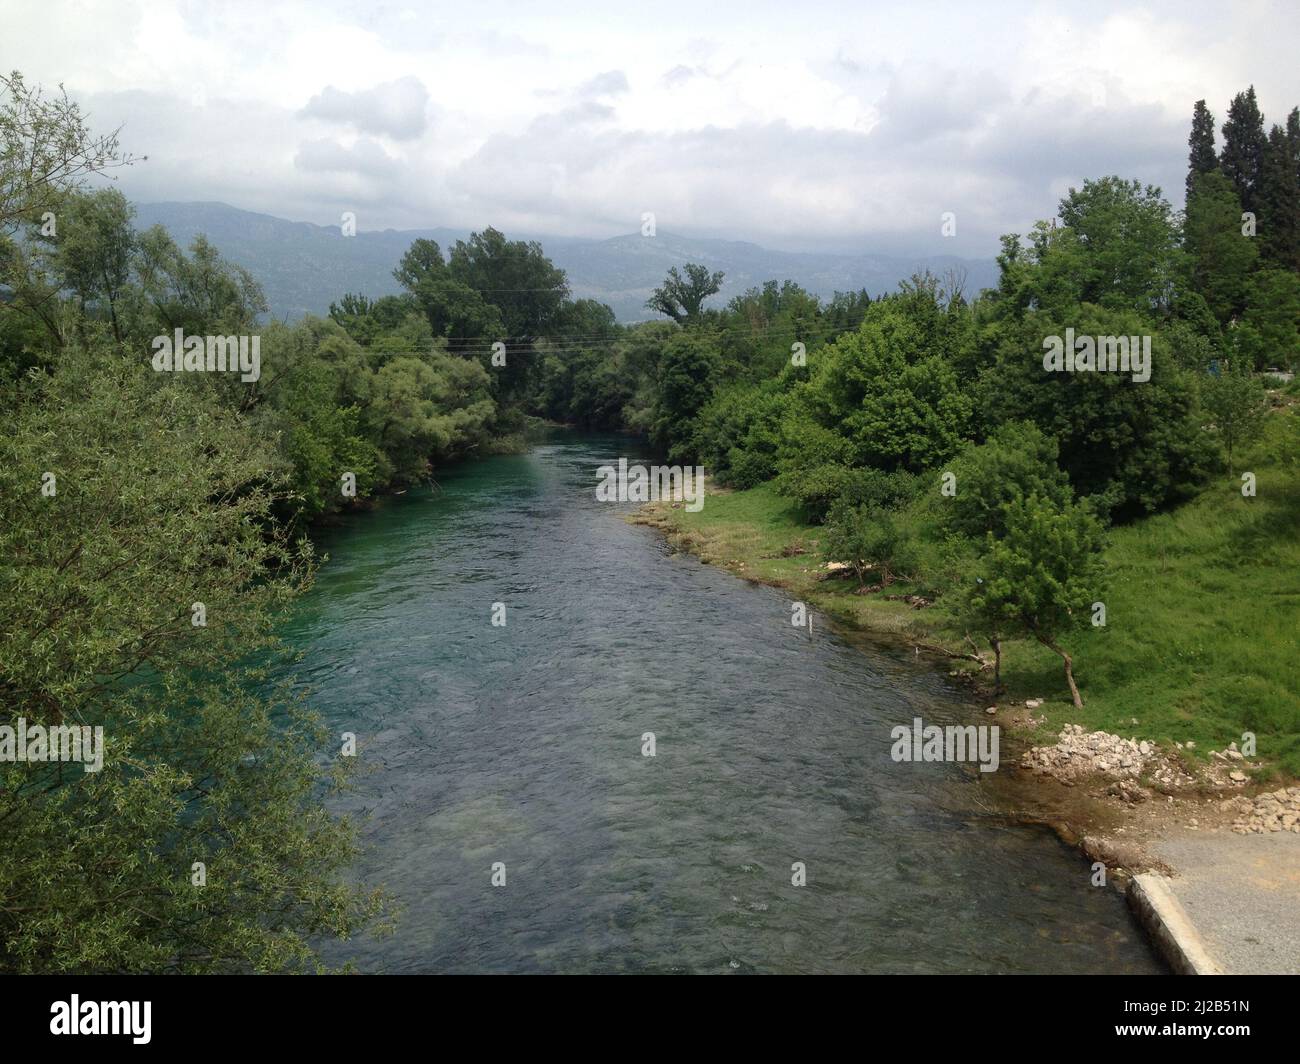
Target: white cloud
(818, 124)
(395, 108)
(364, 156)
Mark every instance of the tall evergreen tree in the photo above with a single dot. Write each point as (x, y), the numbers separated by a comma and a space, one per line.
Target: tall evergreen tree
(1219, 257)
(1279, 203)
(1200, 158)
(1242, 157)
(1293, 139)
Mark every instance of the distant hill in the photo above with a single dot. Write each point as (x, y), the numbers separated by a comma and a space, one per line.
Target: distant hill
(304, 267)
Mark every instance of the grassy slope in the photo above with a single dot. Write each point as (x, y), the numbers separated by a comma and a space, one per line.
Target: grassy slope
(1203, 614)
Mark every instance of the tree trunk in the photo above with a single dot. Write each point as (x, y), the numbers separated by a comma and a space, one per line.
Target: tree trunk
(1069, 668)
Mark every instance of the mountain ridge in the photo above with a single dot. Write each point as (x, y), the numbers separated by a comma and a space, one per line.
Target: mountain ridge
(303, 267)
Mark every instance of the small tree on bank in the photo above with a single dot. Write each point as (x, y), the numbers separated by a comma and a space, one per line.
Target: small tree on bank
(868, 537)
(1040, 579)
(1236, 402)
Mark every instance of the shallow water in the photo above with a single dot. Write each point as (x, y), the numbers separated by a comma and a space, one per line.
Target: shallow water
(523, 745)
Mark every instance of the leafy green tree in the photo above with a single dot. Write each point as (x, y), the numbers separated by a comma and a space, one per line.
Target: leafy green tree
(161, 500)
(1237, 403)
(94, 249)
(365, 320)
(1041, 577)
(686, 379)
(426, 410)
(740, 432)
(1269, 331)
(516, 277)
(1017, 461)
(321, 440)
(889, 390)
(527, 290)
(1133, 447)
(46, 151)
(846, 310)
(868, 538)
(202, 292)
(454, 309)
(31, 292)
(1125, 248)
(24, 341)
(682, 298)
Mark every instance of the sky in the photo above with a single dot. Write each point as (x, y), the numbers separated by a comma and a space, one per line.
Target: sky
(848, 127)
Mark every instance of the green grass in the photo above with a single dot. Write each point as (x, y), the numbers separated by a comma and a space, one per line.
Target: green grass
(1202, 640)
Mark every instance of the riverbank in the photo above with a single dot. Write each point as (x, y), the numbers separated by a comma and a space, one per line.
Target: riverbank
(1154, 758)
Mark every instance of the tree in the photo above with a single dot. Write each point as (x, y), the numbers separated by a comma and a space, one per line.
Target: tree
(525, 288)
(202, 292)
(1242, 156)
(1200, 156)
(681, 298)
(889, 390)
(868, 537)
(1126, 249)
(421, 259)
(1041, 577)
(687, 371)
(1293, 139)
(513, 275)
(1220, 257)
(1269, 332)
(1133, 447)
(1017, 461)
(1236, 400)
(46, 151)
(162, 500)
(95, 248)
(454, 309)
(1279, 202)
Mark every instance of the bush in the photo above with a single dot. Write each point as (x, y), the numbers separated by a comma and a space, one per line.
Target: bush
(869, 537)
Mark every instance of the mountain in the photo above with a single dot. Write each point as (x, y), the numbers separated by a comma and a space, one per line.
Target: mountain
(304, 267)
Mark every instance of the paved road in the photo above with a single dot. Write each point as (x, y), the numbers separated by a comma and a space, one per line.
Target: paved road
(1242, 893)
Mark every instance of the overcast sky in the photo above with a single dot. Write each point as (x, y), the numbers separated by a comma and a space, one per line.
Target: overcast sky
(800, 125)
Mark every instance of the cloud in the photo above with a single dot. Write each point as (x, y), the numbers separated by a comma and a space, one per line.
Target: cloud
(366, 157)
(610, 83)
(396, 109)
(829, 125)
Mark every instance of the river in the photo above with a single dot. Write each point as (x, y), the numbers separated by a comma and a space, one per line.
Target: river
(521, 746)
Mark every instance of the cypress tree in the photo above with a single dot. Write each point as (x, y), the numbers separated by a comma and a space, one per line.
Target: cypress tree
(1200, 158)
(1279, 202)
(1293, 139)
(1242, 157)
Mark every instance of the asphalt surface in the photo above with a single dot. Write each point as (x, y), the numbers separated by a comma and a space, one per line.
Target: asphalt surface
(1242, 893)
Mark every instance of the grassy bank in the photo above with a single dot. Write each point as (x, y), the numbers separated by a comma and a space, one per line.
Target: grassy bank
(1202, 641)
